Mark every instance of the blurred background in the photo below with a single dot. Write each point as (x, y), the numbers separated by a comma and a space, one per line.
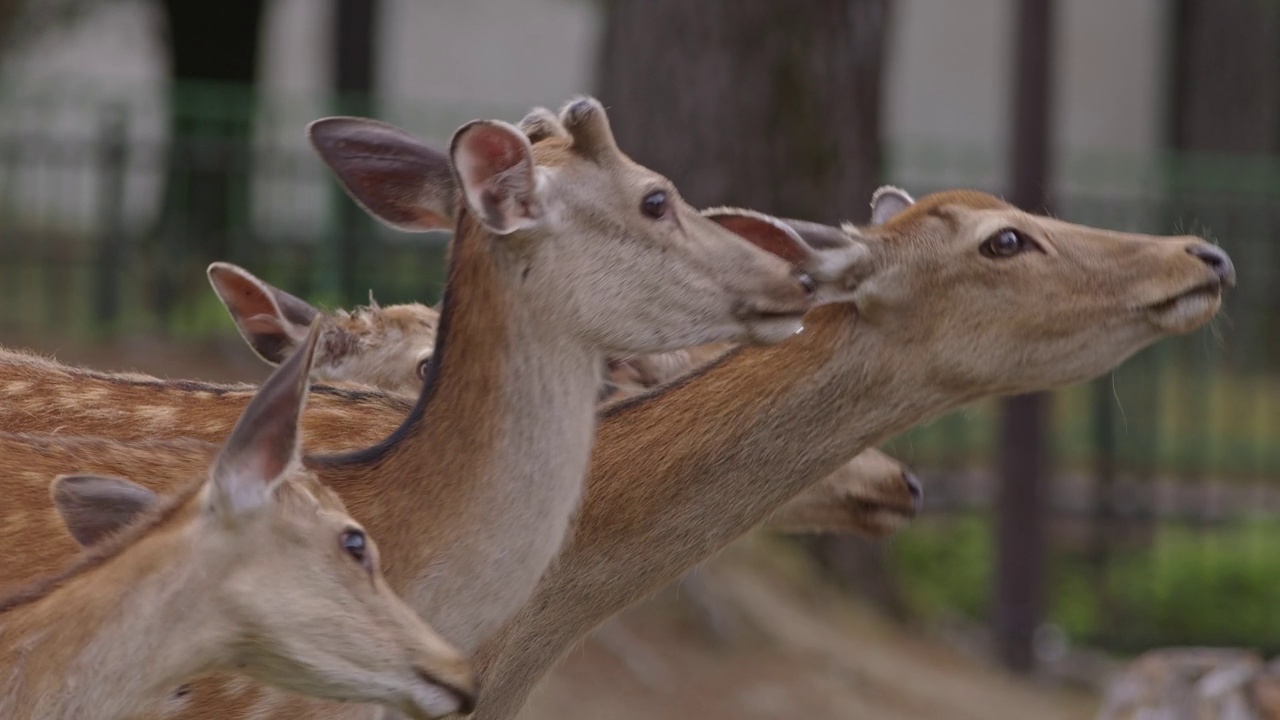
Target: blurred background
(1062, 535)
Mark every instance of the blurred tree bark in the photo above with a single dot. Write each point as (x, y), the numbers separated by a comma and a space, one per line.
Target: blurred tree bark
(9, 12)
(766, 104)
(206, 193)
(1227, 76)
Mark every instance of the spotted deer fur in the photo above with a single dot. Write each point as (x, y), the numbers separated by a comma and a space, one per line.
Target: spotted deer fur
(873, 495)
(242, 570)
(558, 251)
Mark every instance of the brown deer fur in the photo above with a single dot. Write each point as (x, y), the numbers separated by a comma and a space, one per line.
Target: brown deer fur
(387, 347)
(935, 322)
(245, 569)
(558, 254)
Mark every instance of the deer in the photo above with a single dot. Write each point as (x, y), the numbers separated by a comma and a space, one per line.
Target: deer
(390, 347)
(254, 568)
(564, 250)
(962, 296)
(953, 298)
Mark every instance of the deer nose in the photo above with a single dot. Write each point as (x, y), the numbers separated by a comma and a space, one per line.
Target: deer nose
(1217, 260)
(915, 488)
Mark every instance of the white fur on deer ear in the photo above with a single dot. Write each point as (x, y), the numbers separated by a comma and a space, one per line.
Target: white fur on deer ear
(94, 506)
(494, 163)
(887, 201)
(264, 444)
(271, 320)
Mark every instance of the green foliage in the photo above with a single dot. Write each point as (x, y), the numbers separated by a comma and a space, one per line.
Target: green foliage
(1189, 586)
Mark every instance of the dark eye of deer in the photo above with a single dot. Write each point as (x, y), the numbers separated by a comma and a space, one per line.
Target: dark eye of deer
(654, 204)
(1006, 243)
(355, 544)
(423, 364)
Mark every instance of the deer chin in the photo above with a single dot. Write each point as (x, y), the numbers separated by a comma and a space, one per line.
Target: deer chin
(880, 519)
(1186, 310)
(769, 328)
(429, 698)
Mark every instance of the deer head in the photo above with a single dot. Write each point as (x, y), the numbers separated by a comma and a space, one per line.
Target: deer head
(294, 580)
(570, 209)
(873, 495)
(386, 346)
(966, 272)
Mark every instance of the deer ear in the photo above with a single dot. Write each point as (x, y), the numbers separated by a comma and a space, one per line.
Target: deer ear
(94, 507)
(834, 268)
(394, 176)
(764, 231)
(494, 162)
(887, 202)
(264, 444)
(271, 320)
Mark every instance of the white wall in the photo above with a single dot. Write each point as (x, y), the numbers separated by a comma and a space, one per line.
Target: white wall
(446, 61)
(949, 73)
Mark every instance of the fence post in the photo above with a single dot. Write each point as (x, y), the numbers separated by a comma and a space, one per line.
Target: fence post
(113, 139)
(355, 24)
(1104, 483)
(1021, 542)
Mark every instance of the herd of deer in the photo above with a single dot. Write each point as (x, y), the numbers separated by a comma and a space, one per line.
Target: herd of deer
(615, 386)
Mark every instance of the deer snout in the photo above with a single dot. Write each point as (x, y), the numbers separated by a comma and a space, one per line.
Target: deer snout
(450, 688)
(792, 295)
(1217, 259)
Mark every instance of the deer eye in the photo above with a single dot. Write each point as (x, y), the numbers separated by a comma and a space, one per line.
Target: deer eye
(1006, 243)
(654, 204)
(356, 545)
(423, 364)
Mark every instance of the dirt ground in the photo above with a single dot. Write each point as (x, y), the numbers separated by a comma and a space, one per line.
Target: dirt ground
(791, 648)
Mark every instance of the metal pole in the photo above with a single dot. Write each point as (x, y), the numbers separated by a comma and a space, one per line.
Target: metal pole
(110, 261)
(1021, 515)
(354, 25)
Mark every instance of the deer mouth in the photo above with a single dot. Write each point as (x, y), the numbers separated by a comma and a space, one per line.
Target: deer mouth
(768, 324)
(436, 697)
(880, 519)
(1189, 308)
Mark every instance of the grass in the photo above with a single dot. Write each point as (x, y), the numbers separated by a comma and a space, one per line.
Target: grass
(1186, 586)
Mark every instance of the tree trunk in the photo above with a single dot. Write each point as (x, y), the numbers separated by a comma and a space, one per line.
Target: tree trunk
(206, 203)
(9, 12)
(1227, 76)
(765, 104)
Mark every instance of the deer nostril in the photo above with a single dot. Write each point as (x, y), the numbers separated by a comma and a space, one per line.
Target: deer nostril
(1217, 260)
(915, 488)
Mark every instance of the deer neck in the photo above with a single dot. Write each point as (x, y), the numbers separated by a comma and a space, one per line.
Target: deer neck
(500, 445)
(733, 443)
(677, 475)
(114, 641)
